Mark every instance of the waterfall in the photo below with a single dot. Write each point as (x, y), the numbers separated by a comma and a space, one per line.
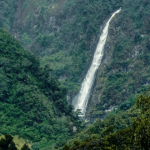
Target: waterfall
(81, 100)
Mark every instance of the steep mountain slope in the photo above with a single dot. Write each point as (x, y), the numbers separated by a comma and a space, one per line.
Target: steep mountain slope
(7, 11)
(125, 68)
(65, 34)
(33, 103)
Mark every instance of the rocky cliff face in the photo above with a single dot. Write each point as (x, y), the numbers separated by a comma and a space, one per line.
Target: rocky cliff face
(125, 67)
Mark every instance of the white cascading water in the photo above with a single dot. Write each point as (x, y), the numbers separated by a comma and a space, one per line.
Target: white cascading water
(82, 99)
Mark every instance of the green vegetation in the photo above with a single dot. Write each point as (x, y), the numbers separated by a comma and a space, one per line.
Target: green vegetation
(19, 142)
(103, 135)
(7, 143)
(79, 24)
(32, 102)
(127, 72)
(7, 11)
(65, 28)
(64, 34)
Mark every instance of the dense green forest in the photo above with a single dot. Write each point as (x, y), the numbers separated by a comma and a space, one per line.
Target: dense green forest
(64, 34)
(125, 68)
(103, 135)
(33, 103)
(61, 37)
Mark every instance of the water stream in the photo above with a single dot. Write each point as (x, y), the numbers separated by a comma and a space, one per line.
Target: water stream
(81, 100)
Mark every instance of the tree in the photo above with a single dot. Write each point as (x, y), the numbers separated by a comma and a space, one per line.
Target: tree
(141, 125)
(12, 146)
(7, 143)
(25, 147)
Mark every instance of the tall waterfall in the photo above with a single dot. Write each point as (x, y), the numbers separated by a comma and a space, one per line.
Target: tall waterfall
(81, 101)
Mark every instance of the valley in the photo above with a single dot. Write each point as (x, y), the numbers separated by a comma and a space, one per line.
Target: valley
(47, 48)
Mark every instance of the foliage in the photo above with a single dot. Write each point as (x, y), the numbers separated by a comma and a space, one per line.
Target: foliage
(135, 137)
(142, 123)
(7, 11)
(33, 103)
(127, 72)
(62, 27)
(7, 143)
(64, 34)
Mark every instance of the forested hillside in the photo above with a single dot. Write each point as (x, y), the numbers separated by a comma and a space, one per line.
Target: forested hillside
(118, 132)
(63, 33)
(125, 68)
(33, 103)
(62, 36)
